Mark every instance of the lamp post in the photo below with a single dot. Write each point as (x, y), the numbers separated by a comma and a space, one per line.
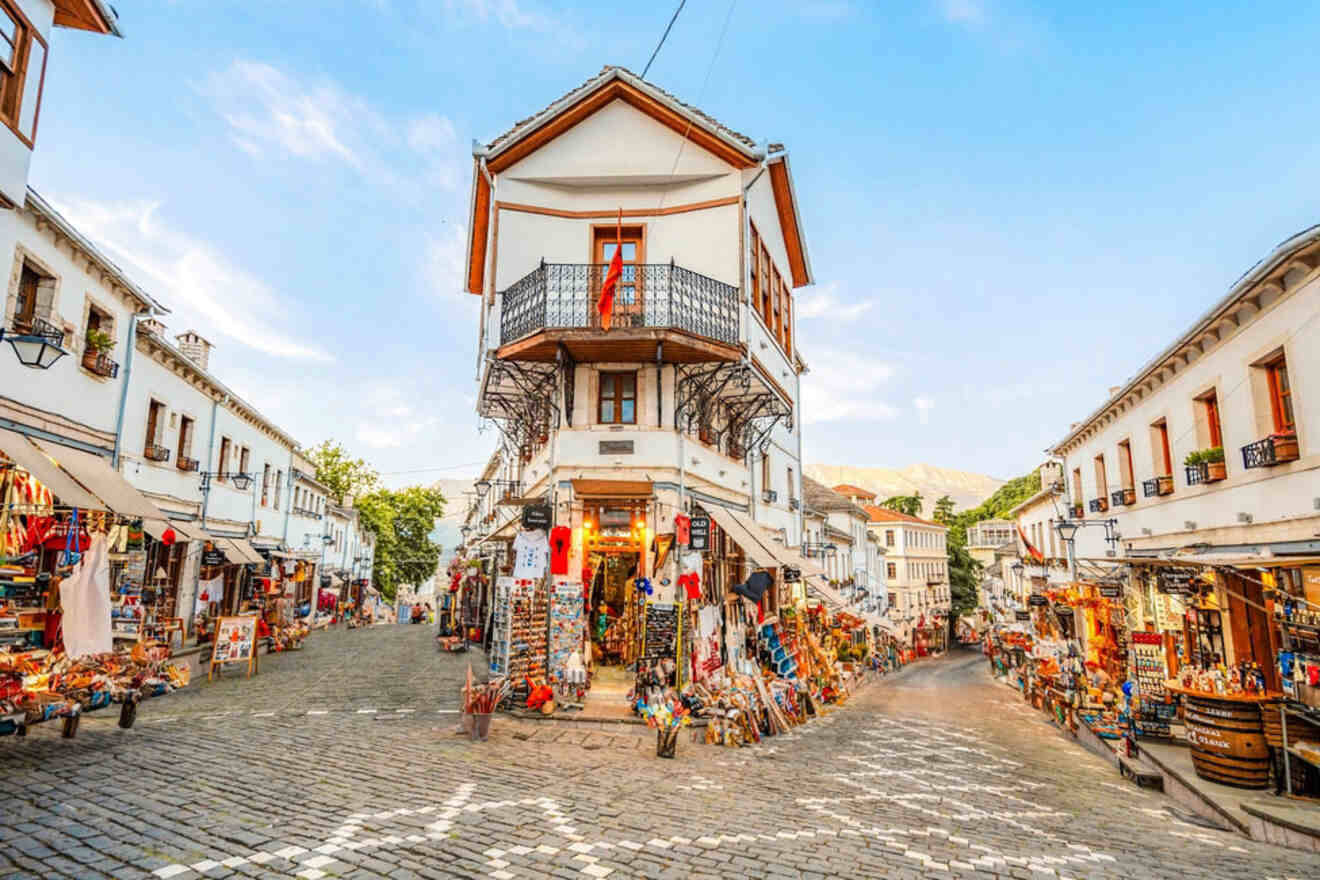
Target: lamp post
(40, 346)
(1067, 529)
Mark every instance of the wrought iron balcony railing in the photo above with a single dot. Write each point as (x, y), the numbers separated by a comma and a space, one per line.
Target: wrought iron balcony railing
(1123, 497)
(97, 362)
(1077, 511)
(1196, 473)
(1098, 505)
(1157, 486)
(185, 463)
(658, 295)
(769, 496)
(794, 504)
(38, 327)
(156, 453)
(1272, 450)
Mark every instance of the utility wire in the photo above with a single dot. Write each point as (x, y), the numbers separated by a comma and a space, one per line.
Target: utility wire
(664, 36)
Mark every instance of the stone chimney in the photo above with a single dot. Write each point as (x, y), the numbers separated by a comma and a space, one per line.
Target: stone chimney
(1114, 389)
(152, 326)
(195, 348)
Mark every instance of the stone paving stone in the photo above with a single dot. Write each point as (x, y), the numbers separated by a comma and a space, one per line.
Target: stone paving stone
(934, 772)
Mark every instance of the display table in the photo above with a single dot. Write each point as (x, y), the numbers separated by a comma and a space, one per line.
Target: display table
(1227, 736)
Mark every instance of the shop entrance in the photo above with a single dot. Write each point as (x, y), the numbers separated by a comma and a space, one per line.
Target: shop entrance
(613, 605)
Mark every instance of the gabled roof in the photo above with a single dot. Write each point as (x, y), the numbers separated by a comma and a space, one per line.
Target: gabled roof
(818, 496)
(851, 491)
(884, 514)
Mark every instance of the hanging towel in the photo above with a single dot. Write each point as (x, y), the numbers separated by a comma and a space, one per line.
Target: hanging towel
(86, 600)
(209, 592)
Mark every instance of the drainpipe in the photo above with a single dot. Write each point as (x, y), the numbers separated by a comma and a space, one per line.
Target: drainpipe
(288, 502)
(123, 384)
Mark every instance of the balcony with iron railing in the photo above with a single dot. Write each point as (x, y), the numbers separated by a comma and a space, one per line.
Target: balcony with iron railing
(184, 463)
(156, 453)
(1157, 486)
(98, 363)
(557, 303)
(1269, 451)
(1123, 497)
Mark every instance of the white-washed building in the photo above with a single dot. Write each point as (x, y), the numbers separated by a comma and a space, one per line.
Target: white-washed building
(916, 569)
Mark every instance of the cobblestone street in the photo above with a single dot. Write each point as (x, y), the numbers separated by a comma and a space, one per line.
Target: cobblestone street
(341, 761)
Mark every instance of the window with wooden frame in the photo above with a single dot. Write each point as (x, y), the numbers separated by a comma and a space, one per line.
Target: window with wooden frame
(788, 322)
(265, 485)
(1209, 432)
(1281, 407)
(1125, 464)
(279, 482)
(754, 264)
(1101, 480)
(777, 328)
(889, 537)
(244, 459)
(25, 311)
(629, 294)
(617, 399)
(765, 472)
(1163, 457)
(1077, 486)
(155, 426)
(186, 431)
(22, 72)
(222, 464)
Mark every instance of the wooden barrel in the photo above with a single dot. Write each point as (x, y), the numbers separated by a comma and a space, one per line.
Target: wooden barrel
(1227, 741)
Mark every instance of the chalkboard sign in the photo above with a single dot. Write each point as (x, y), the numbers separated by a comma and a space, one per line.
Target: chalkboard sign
(1111, 591)
(1022, 616)
(700, 532)
(1177, 581)
(661, 630)
(1037, 599)
(537, 516)
(213, 555)
(235, 642)
(325, 581)
(791, 575)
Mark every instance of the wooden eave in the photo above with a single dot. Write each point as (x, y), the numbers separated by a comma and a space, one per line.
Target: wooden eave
(621, 345)
(479, 223)
(83, 15)
(781, 184)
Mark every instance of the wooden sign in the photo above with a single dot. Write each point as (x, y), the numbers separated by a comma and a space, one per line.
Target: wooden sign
(235, 642)
(1022, 616)
(1036, 599)
(700, 533)
(1177, 581)
(1111, 591)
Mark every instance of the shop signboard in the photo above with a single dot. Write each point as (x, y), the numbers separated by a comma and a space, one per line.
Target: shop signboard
(1037, 600)
(1109, 590)
(1021, 616)
(213, 556)
(235, 642)
(1177, 581)
(537, 516)
(700, 533)
(791, 575)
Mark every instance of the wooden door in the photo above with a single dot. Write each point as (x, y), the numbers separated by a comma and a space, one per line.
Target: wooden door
(1251, 627)
(628, 306)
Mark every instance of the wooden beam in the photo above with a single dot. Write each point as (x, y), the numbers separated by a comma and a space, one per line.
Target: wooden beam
(786, 210)
(610, 213)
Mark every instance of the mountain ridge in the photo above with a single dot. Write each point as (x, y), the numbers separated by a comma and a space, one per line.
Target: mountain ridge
(965, 488)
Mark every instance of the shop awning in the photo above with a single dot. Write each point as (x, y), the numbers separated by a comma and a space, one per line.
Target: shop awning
(39, 465)
(612, 488)
(157, 528)
(108, 484)
(246, 551)
(190, 530)
(759, 554)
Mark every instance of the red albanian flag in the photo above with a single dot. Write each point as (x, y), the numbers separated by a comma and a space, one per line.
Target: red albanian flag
(606, 303)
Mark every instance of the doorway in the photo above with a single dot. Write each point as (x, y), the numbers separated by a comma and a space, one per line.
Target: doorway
(614, 605)
(628, 305)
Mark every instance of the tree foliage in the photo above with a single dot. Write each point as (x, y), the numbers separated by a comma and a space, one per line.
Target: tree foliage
(909, 504)
(964, 571)
(345, 477)
(943, 510)
(402, 522)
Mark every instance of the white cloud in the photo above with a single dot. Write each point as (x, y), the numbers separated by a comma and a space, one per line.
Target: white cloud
(842, 386)
(968, 13)
(825, 303)
(507, 13)
(272, 113)
(923, 405)
(203, 287)
(393, 421)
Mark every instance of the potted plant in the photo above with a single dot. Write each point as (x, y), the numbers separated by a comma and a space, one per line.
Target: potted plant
(1212, 464)
(96, 343)
(1285, 446)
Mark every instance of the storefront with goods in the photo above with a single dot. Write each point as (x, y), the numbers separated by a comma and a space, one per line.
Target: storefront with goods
(89, 579)
(1217, 656)
(621, 605)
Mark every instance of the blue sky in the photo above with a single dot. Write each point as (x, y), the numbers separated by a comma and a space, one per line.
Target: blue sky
(1009, 206)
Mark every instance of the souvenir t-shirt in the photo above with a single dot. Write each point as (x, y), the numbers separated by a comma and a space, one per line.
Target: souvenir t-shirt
(531, 552)
(682, 530)
(560, 541)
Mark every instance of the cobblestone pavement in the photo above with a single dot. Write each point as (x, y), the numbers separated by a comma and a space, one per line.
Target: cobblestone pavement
(935, 772)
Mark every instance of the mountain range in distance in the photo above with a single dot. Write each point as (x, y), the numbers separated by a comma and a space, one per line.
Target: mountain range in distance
(966, 489)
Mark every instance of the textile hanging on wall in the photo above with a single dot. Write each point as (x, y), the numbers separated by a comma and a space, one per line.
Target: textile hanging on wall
(86, 600)
(208, 592)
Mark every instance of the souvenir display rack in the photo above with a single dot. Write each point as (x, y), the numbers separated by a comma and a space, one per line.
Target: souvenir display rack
(567, 628)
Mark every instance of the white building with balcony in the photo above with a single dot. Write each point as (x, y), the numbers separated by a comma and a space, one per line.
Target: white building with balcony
(916, 568)
(1213, 442)
(688, 403)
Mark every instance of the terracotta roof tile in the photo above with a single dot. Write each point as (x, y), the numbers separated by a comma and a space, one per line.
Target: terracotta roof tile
(851, 491)
(884, 514)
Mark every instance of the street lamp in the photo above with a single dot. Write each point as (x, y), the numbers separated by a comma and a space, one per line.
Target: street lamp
(40, 347)
(482, 487)
(242, 482)
(1067, 529)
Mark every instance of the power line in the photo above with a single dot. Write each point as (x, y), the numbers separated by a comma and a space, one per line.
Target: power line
(664, 36)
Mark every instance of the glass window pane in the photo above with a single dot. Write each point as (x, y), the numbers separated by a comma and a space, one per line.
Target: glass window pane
(1282, 372)
(630, 251)
(36, 68)
(607, 252)
(627, 410)
(628, 385)
(606, 410)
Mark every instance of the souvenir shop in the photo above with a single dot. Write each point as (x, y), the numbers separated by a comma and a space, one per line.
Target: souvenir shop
(81, 586)
(697, 615)
(235, 580)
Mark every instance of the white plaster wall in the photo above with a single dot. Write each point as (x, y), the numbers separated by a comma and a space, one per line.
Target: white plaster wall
(66, 388)
(762, 212)
(1278, 494)
(150, 379)
(225, 501)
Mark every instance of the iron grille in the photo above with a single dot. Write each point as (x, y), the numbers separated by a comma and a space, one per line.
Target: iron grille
(1098, 505)
(1260, 454)
(663, 295)
(1157, 486)
(1123, 497)
(39, 327)
(186, 464)
(1197, 473)
(156, 453)
(96, 362)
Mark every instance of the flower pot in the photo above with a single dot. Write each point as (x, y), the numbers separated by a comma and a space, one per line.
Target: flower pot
(1215, 471)
(1164, 485)
(1285, 447)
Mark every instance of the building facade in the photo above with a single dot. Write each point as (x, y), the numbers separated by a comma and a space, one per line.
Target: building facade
(916, 570)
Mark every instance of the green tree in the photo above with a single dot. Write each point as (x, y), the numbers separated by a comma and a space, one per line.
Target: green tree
(944, 510)
(909, 504)
(964, 571)
(344, 476)
(402, 522)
